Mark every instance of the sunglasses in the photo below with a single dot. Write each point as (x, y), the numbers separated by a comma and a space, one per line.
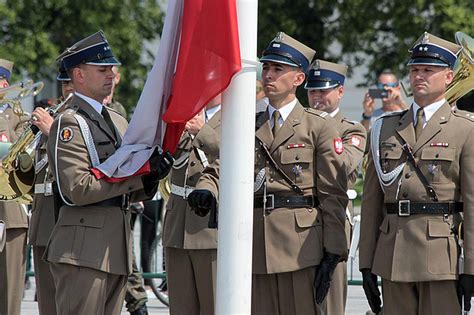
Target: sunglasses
(381, 86)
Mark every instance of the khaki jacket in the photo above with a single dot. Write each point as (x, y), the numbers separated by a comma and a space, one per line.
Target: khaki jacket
(183, 228)
(10, 211)
(289, 239)
(89, 235)
(42, 211)
(420, 247)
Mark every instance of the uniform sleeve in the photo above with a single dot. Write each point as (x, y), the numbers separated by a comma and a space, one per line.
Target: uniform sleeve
(331, 187)
(467, 191)
(209, 179)
(371, 215)
(354, 141)
(70, 164)
(208, 140)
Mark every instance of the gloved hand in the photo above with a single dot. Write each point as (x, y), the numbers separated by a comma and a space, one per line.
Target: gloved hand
(201, 201)
(322, 280)
(466, 290)
(160, 164)
(371, 290)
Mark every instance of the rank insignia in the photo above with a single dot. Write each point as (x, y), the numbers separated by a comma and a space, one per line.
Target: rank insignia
(295, 145)
(297, 169)
(66, 134)
(433, 168)
(3, 137)
(355, 141)
(439, 144)
(338, 145)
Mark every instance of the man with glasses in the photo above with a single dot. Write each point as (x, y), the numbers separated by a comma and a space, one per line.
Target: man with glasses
(393, 102)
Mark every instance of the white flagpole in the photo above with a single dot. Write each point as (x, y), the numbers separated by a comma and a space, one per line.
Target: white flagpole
(234, 253)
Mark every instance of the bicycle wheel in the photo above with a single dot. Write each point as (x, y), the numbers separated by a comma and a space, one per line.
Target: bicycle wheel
(157, 266)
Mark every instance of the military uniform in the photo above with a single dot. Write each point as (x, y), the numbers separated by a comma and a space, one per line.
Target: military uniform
(89, 250)
(410, 215)
(190, 245)
(325, 78)
(13, 255)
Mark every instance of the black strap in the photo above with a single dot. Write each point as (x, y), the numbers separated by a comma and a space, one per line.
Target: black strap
(411, 158)
(108, 120)
(279, 170)
(282, 201)
(407, 208)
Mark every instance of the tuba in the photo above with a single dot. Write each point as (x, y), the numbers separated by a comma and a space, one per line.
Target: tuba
(16, 184)
(463, 81)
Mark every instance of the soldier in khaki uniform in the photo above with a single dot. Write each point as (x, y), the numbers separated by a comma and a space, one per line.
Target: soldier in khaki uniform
(43, 208)
(418, 180)
(13, 255)
(190, 245)
(300, 191)
(325, 85)
(89, 250)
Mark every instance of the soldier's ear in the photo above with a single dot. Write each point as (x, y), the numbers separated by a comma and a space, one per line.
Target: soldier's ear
(449, 76)
(299, 78)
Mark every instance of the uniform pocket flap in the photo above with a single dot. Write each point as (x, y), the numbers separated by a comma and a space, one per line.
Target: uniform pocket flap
(442, 154)
(305, 218)
(392, 154)
(299, 155)
(384, 226)
(95, 220)
(438, 229)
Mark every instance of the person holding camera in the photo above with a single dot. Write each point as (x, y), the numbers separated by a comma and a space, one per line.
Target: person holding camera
(388, 90)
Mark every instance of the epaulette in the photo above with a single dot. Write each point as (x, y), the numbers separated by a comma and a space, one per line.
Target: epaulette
(393, 114)
(352, 122)
(463, 114)
(316, 112)
(114, 110)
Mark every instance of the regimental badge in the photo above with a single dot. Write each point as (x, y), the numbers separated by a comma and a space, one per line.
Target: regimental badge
(355, 141)
(297, 169)
(433, 168)
(338, 148)
(278, 38)
(3, 137)
(66, 134)
(426, 38)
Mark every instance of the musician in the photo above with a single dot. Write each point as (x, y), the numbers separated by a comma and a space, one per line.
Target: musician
(13, 255)
(89, 250)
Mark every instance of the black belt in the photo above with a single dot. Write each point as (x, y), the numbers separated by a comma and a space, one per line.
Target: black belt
(119, 201)
(282, 201)
(405, 208)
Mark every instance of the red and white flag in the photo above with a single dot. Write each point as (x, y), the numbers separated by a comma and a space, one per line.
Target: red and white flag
(198, 55)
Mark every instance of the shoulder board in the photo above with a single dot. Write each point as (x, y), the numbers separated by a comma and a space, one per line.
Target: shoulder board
(113, 110)
(393, 114)
(352, 122)
(463, 114)
(316, 112)
(69, 111)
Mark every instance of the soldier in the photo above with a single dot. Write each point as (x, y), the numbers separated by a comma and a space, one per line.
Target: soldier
(89, 250)
(417, 183)
(300, 191)
(325, 85)
(13, 255)
(190, 245)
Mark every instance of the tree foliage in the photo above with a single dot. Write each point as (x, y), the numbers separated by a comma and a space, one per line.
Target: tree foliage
(34, 32)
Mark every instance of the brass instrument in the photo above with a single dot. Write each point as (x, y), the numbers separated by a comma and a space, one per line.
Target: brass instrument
(16, 92)
(15, 184)
(463, 80)
(164, 187)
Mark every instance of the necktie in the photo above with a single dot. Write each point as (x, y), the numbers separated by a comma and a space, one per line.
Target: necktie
(276, 122)
(419, 122)
(108, 120)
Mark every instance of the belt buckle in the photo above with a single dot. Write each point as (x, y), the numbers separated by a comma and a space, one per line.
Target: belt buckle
(272, 202)
(404, 208)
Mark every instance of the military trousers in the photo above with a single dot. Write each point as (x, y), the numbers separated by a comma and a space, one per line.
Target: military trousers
(191, 276)
(136, 295)
(337, 295)
(420, 298)
(87, 291)
(45, 290)
(12, 271)
(286, 293)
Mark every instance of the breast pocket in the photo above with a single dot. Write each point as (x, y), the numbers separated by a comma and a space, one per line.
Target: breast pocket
(436, 162)
(390, 158)
(298, 163)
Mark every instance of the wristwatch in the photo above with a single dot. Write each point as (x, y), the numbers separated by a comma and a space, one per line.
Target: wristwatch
(365, 117)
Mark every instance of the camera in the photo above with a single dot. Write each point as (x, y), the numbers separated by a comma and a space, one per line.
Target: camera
(378, 93)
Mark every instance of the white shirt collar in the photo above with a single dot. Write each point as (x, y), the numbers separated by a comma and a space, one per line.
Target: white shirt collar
(284, 111)
(96, 105)
(212, 111)
(334, 113)
(428, 110)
